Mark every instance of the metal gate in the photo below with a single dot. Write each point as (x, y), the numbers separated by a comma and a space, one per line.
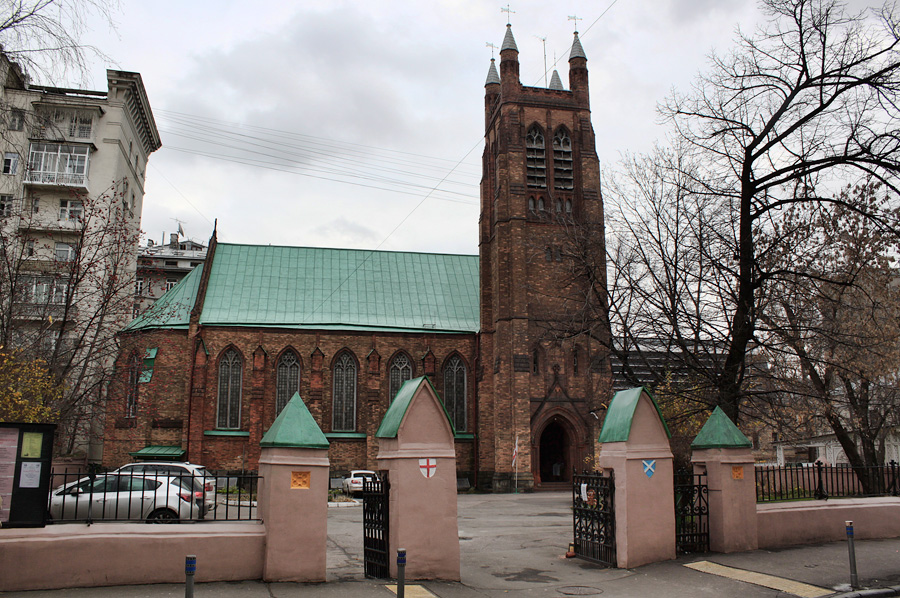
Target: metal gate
(594, 517)
(691, 512)
(376, 507)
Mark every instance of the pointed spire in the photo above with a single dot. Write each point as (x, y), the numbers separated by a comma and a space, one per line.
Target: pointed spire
(555, 81)
(492, 76)
(509, 42)
(577, 51)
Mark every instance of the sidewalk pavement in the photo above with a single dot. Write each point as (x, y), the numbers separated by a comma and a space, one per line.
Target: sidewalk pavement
(514, 545)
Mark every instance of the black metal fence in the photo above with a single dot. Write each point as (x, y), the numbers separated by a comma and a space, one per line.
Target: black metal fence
(594, 517)
(817, 481)
(152, 497)
(691, 512)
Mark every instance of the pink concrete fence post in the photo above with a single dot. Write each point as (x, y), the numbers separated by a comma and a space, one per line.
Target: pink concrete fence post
(416, 447)
(293, 496)
(724, 453)
(635, 444)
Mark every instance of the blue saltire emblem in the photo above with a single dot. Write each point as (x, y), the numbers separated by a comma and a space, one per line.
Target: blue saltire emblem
(649, 467)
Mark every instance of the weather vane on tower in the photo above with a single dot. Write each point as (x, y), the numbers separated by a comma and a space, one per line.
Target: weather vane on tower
(509, 12)
(576, 19)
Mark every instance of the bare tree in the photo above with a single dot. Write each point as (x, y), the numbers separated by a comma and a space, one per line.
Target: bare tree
(64, 296)
(830, 322)
(793, 112)
(45, 36)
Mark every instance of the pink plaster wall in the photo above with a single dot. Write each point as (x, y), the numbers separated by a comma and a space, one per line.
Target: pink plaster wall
(807, 522)
(105, 554)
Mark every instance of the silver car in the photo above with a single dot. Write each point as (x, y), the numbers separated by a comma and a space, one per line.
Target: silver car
(176, 468)
(353, 483)
(111, 497)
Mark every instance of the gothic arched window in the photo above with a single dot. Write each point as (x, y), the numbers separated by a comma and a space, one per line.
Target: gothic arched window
(287, 380)
(228, 415)
(535, 158)
(135, 368)
(401, 371)
(455, 392)
(344, 394)
(563, 177)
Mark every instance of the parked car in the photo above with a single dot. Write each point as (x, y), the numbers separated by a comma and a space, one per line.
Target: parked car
(353, 483)
(119, 497)
(177, 468)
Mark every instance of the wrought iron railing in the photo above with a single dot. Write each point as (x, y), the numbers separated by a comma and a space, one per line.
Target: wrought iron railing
(691, 512)
(819, 481)
(593, 517)
(153, 497)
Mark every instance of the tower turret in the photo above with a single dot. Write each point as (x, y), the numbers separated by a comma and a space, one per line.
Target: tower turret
(509, 61)
(491, 91)
(578, 73)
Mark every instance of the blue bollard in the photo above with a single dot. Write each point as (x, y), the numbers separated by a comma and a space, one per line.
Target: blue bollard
(190, 568)
(401, 572)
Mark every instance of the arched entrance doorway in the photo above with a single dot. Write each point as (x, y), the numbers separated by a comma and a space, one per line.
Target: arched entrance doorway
(555, 453)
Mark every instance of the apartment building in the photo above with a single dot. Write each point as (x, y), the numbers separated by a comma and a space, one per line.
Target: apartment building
(71, 197)
(161, 266)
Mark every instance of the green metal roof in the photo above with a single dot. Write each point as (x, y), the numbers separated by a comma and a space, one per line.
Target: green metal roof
(720, 432)
(172, 310)
(159, 453)
(326, 289)
(295, 427)
(390, 425)
(619, 416)
(315, 288)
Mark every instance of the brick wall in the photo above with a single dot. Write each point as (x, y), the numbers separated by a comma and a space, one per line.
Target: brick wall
(166, 396)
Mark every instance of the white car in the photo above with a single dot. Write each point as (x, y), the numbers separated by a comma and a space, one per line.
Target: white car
(176, 468)
(111, 497)
(353, 483)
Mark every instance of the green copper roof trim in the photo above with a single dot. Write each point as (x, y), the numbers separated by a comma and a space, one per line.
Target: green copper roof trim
(720, 432)
(295, 427)
(226, 433)
(159, 453)
(345, 435)
(619, 416)
(390, 425)
(173, 309)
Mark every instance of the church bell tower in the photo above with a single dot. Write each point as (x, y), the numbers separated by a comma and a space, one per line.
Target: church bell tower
(541, 381)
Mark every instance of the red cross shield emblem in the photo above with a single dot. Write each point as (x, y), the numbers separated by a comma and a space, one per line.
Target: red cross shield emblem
(427, 467)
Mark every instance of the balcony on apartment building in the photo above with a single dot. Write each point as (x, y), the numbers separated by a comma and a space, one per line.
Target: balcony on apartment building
(58, 165)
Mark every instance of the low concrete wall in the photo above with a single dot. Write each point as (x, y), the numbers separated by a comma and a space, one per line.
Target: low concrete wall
(809, 522)
(104, 554)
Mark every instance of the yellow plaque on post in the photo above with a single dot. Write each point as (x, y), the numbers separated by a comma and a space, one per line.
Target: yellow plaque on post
(299, 480)
(737, 472)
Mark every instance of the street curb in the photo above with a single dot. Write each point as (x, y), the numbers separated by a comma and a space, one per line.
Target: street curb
(874, 593)
(343, 505)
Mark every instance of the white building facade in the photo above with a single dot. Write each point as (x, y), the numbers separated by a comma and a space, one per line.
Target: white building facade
(71, 197)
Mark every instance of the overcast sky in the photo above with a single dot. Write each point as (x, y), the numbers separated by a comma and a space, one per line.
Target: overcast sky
(329, 123)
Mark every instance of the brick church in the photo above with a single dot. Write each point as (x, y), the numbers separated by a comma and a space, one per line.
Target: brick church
(204, 372)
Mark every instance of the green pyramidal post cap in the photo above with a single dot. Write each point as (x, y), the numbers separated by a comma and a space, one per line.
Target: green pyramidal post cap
(720, 432)
(295, 427)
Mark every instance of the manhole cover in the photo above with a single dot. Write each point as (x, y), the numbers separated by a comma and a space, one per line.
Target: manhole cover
(579, 591)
